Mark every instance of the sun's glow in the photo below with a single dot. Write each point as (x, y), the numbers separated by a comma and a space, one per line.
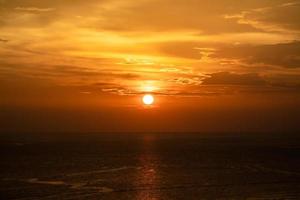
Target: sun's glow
(148, 99)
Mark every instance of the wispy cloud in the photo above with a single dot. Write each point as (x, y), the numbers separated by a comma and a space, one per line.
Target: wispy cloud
(3, 40)
(227, 78)
(277, 17)
(34, 9)
(285, 55)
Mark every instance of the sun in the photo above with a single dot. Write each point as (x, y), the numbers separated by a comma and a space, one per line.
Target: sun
(148, 99)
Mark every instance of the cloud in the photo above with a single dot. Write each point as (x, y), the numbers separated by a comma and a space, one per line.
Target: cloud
(254, 83)
(34, 9)
(291, 81)
(172, 42)
(68, 70)
(281, 55)
(36, 13)
(170, 15)
(277, 17)
(3, 40)
(228, 78)
(180, 49)
(66, 74)
(46, 3)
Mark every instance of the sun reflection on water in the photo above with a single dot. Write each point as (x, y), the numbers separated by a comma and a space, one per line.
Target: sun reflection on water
(147, 177)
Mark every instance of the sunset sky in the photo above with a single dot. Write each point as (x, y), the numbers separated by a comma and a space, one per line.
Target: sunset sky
(84, 65)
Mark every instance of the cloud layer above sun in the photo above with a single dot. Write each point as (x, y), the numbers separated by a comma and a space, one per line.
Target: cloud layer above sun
(167, 47)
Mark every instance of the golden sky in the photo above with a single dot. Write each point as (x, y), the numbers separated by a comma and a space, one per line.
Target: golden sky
(225, 55)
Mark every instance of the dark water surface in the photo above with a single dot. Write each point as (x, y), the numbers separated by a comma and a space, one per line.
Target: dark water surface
(149, 166)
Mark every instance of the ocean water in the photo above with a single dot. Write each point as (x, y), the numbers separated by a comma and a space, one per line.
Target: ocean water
(149, 166)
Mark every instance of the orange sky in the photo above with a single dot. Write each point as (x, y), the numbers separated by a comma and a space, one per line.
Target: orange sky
(218, 65)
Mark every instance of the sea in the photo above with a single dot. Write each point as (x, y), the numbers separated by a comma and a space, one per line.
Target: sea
(149, 166)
